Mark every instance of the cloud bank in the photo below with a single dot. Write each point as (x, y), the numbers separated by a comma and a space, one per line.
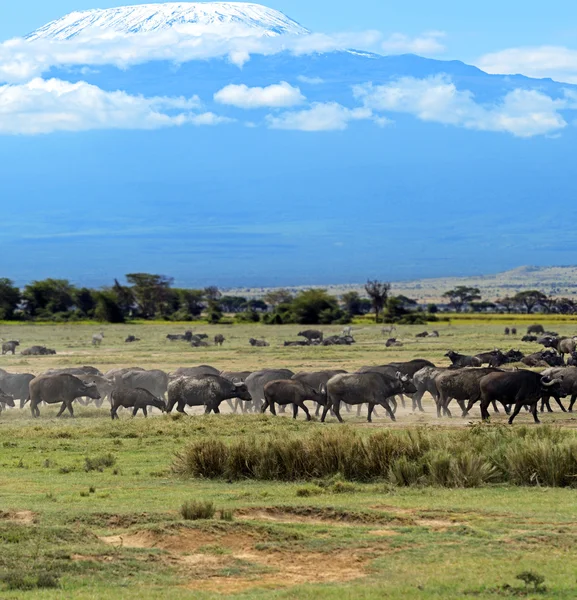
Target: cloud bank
(45, 106)
(280, 95)
(523, 113)
(428, 44)
(556, 62)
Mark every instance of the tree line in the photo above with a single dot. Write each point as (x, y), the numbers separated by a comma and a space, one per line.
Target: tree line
(149, 296)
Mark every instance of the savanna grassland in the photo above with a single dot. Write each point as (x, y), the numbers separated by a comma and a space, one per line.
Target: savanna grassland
(91, 508)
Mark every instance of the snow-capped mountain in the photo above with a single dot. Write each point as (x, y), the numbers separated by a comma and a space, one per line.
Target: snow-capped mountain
(146, 18)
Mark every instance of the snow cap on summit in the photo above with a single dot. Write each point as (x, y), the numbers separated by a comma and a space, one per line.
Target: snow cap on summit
(145, 18)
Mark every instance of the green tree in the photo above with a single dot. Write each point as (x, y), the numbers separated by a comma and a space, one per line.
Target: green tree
(233, 304)
(151, 292)
(107, 308)
(47, 297)
(354, 304)
(314, 306)
(124, 297)
(482, 306)
(461, 296)
(191, 301)
(85, 301)
(212, 293)
(276, 297)
(214, 312)
(508, 304)
(399, 306)
(378, 292)
(9, 298)
(529, 300)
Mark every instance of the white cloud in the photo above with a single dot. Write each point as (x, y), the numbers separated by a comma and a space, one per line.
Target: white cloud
(523, 113)
(310, 80)
(282, 95)
(556, 62)
(45, 106)
(427, 44)
(329, 116)
(21, 60)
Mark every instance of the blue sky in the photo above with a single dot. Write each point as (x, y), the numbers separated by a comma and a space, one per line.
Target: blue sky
(235, 160)
(473, 28)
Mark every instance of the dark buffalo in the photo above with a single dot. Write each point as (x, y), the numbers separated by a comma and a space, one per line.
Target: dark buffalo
(543, 359)
(137, 399)
(529, 338)
(205, 390)
(194, 371)
(507, 331)
(563, 345)
(305, 343)
(535, 329)
(518, 388)
(256, 381)
(258, 343)
(393, 343)
(460, 385)
(568, 385)
(311, 334)
(291, 391)
(54, 389)
(17, 386)
(424, 381)
(131, 338)
(236, 377)
(317, 380)
(37, 351)
(219, 340)
(462, 360)
(360, 388)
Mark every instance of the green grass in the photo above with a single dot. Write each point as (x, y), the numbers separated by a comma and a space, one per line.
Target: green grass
(116, 530)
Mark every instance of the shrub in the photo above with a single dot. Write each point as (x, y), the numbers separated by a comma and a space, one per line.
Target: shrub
(98, 463)
(195, 510)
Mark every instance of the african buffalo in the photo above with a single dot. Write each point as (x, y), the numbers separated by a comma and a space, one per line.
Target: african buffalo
(219, 340)
(194, 371)
(155, 381)
(291, 391)
(54, 389)
(519, 388)
(205, 390)
(317, 380)
(136, 399)
(360, 388)
(462, 360)
(10, 346)
(37, 351)
(535, 329)
(256, 381)
(460, 385)
(17, 386)
(258, 343)
(311, 334)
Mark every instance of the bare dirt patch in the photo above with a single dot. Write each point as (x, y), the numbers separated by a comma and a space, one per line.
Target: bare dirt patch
(229, 562)
(18, 516)
(312, 516)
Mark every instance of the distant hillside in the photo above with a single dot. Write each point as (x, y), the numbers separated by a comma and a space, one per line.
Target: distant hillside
(554, 281)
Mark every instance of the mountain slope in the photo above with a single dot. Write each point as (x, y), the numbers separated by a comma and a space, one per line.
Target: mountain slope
(146, 18)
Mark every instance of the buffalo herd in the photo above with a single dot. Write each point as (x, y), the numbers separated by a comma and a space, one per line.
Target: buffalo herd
(488, 378)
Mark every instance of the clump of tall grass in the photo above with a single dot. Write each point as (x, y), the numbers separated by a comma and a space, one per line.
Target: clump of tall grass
(197, 509)
(425, 456)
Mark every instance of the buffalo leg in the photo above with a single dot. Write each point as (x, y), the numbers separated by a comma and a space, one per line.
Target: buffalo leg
(462, 406)
(573, 399)
(495, 409)
(272, 408)
(484, 412)
(545, 402)
(534, 413)
(403, 400)
(135, 411)
(114, 413)
(325, 411)
(337, 410)
(558, 400)
(264, 406)
(145, 411)
(295, 411)
(62, 409)
(518, 407)
(180, 408)
(392, 400)
(385, 404)
(370, 412)
(306, 410)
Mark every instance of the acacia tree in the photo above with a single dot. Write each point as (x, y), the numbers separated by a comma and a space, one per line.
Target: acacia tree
(378, 292)
(461, 296)
(509, 304)
(48, 296)
(276, 297)
(151, 292)
(530, 299)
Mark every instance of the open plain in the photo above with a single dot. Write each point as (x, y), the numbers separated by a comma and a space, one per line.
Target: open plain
(91, 508)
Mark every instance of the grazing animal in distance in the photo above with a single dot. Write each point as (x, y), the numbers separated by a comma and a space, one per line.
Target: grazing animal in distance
(37, 351)
(507, 331)
(529, 338)
(393, 343)
(347, 331)
(258, 343)
(97, 338)
(424, 334)
(131, 338)
(311, 334)
(535, 329)
(219, 340)
(514, 331)
(10, 346)
(388, 330)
